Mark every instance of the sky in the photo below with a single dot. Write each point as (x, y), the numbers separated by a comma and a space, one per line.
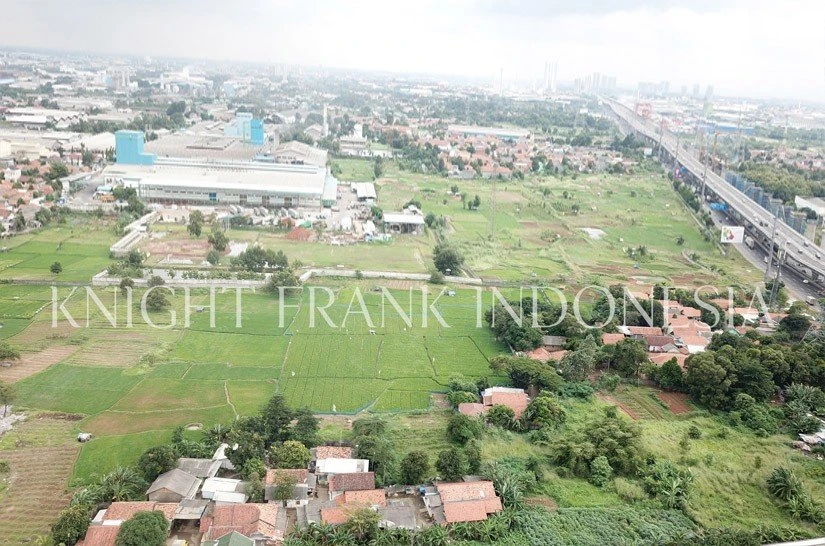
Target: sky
(757, 48)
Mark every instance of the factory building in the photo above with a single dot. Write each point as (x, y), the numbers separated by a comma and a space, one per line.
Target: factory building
(198, 182)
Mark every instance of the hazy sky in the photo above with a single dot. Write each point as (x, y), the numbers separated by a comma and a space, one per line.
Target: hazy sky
(752, 47)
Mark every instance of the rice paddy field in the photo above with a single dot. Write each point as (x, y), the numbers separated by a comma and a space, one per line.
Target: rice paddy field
(125, 384)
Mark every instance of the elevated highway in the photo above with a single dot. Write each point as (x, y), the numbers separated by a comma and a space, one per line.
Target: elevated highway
(802, 256)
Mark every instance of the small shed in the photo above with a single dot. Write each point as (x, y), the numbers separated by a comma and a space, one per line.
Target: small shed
(173, 486)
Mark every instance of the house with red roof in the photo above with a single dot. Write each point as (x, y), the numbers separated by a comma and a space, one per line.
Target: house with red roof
(455, 502)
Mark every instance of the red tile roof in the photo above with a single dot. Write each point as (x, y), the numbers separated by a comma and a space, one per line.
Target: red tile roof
(541, 354)
(473, 409)
(100, 535)
(300, 474)
(661, 358)
(246, 519)
(612, 339)
(355, 481)
(474, 510)
(645, 330)
(515, 401)
(334, 516)
(369, 497)
(333, 452)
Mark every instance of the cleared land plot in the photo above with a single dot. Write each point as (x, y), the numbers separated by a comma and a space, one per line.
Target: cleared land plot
(41, 453)
(32, 363)
(168, 394)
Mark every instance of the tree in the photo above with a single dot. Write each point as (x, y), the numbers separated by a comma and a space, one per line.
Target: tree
(56, 268)
(447, 258)
(71, 524)
(125, 284)
(157, 301)
(155, 461)
(290, 454)
(415, 467)
(363, 525)
(284, 486)
(451, 464)
(195, 226)
(628, 357)
(144, 529)
(544, 411)
(7, 395)
(502, 416)
(669, 376)
(154, 281)
(577, 365)
(277, 417)
(305, 428)
(218, 239)
(122, 484)
(600, 471)
(213, 257)
(796, 325)
(253, 466)
(462, 428)
(707, 380)
(472, 451)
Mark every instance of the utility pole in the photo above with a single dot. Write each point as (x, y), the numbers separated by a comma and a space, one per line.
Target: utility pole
(775, 286)
(770, 253)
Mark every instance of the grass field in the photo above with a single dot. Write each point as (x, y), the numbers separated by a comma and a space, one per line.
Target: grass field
(81, 245)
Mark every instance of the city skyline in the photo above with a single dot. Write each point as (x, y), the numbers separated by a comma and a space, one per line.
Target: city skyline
(753, 49)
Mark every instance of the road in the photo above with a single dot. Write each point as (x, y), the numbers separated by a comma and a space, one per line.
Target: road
(797, 289)
(802, 253)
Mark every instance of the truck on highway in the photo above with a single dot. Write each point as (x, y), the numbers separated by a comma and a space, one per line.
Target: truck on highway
(810, 300)
(749, 241)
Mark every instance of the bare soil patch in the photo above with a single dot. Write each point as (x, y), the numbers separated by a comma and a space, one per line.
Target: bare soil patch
(32, 363)
(300, 234)
(178, 248)
(677, 402)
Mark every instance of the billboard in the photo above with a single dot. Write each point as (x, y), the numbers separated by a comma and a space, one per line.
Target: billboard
(732, 234)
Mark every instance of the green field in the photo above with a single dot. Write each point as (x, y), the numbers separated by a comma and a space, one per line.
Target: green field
(126, 383)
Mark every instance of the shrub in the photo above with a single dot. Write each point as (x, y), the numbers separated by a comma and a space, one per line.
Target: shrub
(577, 389)
(669, 484)
(600, 471)
(694, 432)
(629, 491)
(144, 529)
(462, 429)
(783, 484)
(71, 524)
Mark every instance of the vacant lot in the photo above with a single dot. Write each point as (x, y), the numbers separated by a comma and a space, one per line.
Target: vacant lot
(41, 453)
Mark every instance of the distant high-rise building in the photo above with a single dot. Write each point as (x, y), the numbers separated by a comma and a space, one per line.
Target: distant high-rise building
(554, 77)
(695, 90)
(708, 93)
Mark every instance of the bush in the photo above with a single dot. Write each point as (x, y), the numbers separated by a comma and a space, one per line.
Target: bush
(600, 471)
(577, 389)
(71, 524)
(629, 491)
(694, 432)
(460, 397)
(783, 484)
(461, 428)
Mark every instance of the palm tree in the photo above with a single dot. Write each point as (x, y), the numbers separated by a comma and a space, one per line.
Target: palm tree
(121, 484)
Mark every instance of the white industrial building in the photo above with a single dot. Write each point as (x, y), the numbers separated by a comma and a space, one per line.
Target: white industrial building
(192, 182)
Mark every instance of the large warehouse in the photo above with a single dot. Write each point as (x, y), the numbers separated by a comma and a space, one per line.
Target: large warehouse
(198, 182)
(247, 184)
